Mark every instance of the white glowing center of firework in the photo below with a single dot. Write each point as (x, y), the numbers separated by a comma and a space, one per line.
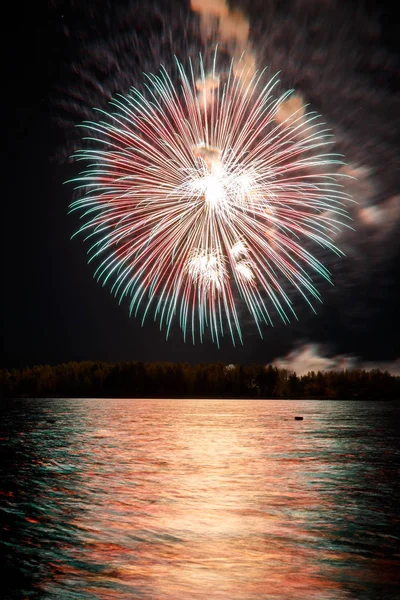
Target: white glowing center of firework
(222, 187)
(212, 186)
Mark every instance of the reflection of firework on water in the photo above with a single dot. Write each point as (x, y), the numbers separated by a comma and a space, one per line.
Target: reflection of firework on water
(203, 195)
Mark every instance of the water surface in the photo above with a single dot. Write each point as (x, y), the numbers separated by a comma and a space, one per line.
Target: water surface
(200, 499)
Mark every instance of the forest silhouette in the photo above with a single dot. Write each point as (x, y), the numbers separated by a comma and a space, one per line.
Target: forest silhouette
(178, 380)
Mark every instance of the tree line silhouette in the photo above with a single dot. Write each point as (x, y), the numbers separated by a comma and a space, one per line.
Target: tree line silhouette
(178, 380)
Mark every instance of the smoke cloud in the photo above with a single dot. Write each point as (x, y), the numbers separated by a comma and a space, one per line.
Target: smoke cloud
(313, 357)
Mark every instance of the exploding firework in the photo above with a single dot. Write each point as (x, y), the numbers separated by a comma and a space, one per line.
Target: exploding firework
(201, 199)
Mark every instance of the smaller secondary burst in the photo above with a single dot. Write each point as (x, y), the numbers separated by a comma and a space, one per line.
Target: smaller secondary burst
(207, 269)
(203, 196)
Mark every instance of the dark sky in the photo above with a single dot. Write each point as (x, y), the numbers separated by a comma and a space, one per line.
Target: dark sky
(344, 60)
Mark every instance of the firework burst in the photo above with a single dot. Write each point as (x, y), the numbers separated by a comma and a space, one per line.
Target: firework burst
(201, 197)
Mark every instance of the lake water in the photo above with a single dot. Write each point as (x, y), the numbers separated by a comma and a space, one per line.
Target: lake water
(200, 499)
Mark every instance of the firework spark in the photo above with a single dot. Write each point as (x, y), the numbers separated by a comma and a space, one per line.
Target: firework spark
(201, 197)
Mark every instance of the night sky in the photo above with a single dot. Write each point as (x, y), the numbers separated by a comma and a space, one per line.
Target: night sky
(68, 57)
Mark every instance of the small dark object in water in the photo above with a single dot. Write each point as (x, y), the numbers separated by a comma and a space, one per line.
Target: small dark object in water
(298, 418)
